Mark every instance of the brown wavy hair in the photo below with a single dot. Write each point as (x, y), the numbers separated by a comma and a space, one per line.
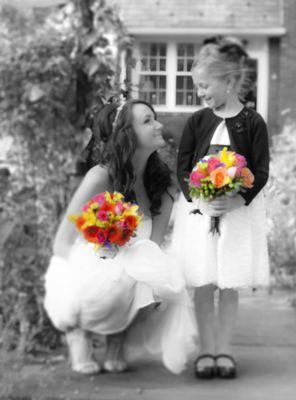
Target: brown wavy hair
(121, 144)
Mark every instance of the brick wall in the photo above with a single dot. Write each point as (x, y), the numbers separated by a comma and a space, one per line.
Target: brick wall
(200, 13)
(236, 14)
(287, 66)
(274, 83)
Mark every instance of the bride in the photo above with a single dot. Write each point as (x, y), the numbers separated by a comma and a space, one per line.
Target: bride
(136, 297)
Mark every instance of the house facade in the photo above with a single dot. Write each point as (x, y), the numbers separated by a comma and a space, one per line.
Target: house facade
(169, 33)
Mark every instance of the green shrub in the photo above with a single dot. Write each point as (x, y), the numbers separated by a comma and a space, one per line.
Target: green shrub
(281, 206)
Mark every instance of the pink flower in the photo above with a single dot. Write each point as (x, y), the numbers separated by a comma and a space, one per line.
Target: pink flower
(195, 178)
(232, 172)
(87, 205)
(99, 198)
(102, 236)
(119, 208)
(213, 163)
(103, 215)
(240, 162)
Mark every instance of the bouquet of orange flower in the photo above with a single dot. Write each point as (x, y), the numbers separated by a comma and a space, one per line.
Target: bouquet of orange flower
(107, 220)
(220, 174)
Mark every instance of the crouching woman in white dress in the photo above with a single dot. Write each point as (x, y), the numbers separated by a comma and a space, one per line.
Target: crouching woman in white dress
(85, 293)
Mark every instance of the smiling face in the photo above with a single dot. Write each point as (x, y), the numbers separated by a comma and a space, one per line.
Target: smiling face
(147, 129)
(210, 89)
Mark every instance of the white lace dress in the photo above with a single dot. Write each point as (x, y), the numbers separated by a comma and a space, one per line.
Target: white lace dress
(236, 258)
(105, 295)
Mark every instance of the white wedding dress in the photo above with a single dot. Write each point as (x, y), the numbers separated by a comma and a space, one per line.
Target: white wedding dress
(238, 257)
(105, 295)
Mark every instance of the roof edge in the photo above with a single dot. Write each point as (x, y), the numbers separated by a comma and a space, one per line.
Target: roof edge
(153, 31)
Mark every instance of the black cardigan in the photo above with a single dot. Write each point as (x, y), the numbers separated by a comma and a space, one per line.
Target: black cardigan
(248, 137)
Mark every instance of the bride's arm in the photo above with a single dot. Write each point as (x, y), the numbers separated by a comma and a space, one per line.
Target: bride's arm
(95, 181)
(160, 222)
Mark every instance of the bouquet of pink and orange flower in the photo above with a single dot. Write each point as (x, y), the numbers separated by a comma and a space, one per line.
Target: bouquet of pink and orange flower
(219, 174)
(107, 220)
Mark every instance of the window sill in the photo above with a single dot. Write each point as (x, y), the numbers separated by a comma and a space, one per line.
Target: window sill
(177, 109)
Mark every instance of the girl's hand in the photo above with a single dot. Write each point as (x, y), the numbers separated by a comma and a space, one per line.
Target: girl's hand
(222, 205)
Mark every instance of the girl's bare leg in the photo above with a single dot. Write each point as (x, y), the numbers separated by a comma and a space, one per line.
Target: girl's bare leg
(205, 314)
(227, 315)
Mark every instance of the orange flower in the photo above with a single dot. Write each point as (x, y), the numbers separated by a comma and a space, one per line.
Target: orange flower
(115, 234)
(91, 234)
(126, 235)
(108, 208)
(79, 222)
(248, 178)
(131, 222)
(219, 177)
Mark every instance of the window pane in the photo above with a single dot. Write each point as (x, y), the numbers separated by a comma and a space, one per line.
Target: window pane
(180, 65)
(186, 55)
(189, 64)
(144, 65)
(153, 88)
(189, 83)
(153, 98)
(153, 49)
(189, 99)
(190, 50)
(162, 82)
(162, 98)
(153, 56)
(153, 64)
(181, 50)
(162, 50)
(147, 83)
(162, 64)
(185, 93)
(144, 49)
(179, 98)
(180, 82)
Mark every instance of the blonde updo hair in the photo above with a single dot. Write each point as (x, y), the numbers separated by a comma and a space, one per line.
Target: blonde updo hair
(224, 57)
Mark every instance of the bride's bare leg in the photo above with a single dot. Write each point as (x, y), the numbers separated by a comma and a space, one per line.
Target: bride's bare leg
(114, 357)
(81, 352)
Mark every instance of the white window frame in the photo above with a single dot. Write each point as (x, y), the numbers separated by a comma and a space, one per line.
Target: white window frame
(257, 48)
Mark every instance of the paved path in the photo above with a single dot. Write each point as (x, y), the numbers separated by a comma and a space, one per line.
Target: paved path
(265, 348)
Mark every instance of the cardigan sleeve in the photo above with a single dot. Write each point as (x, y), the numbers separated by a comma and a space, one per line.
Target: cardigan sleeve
(185, 156)
(260, 159)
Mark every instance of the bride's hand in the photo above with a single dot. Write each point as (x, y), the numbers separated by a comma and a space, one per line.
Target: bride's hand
(108, 253)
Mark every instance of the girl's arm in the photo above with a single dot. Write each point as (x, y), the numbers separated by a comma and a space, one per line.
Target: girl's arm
(95, 181)
(260, 159)
(160, 221)
(185, 156)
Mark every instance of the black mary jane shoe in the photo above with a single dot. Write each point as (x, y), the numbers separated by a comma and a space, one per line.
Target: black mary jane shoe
(226, 372)
(205, 372)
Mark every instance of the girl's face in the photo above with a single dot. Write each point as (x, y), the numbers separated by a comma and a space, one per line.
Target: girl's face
(147, 129)
(210, 89)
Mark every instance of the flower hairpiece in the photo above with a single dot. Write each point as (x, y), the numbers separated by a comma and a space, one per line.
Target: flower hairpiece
(117, 115)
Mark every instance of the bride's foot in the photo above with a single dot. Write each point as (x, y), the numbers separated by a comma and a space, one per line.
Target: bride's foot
(114, 358)
(88, 368)
(115, 366)
(81, 352)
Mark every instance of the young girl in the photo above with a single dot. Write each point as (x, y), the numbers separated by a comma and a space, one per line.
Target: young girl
(86, 293)
(237, 257)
